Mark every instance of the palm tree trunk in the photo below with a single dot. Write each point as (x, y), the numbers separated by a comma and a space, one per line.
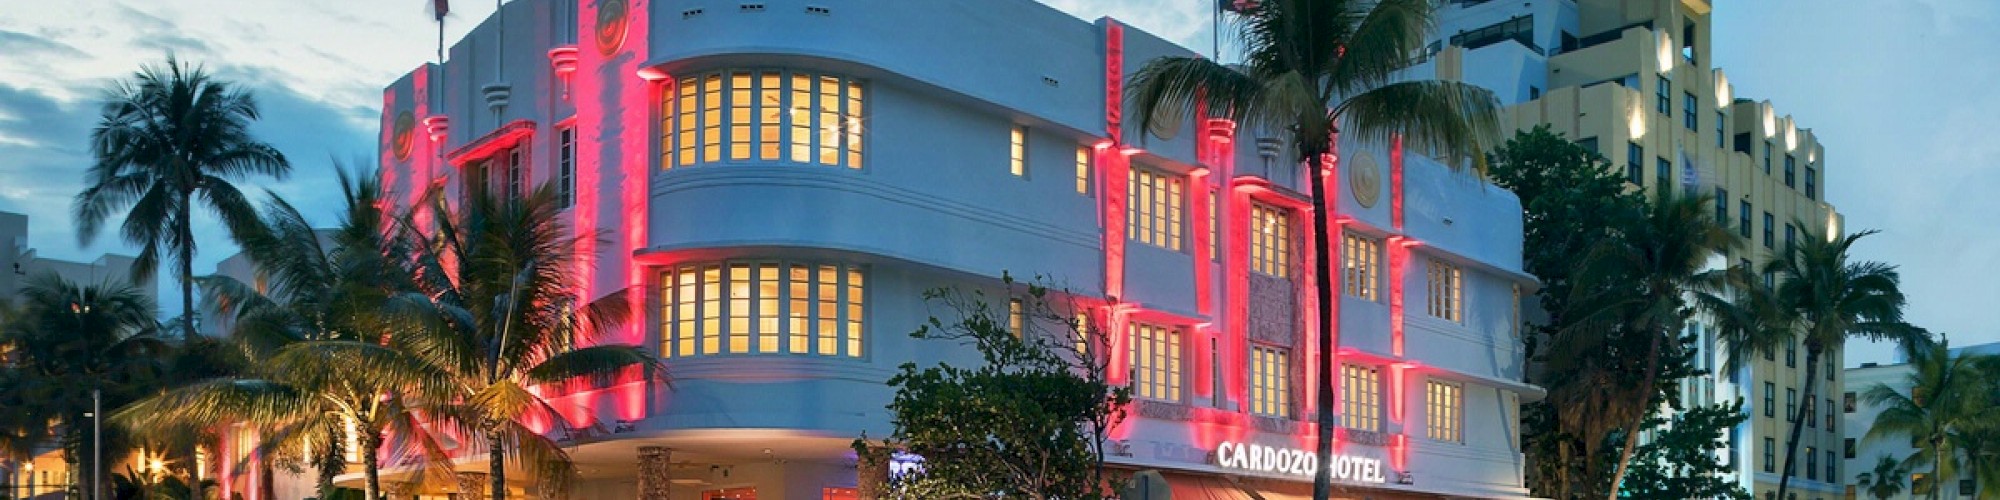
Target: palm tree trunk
(1645, 402)
(186, 257)
(371, 465)
(496, 457)
(1799, 421)
(1937, 466)
(1323, 289)
(328, 468)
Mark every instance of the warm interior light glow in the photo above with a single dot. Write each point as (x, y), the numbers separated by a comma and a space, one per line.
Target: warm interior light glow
(1666, 56)
(1770, 120)
(1791, 135)
(1721, 88)
(1635, 120)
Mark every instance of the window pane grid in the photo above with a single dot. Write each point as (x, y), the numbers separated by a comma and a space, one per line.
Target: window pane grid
(741, 308)
(1017, 152)
(1361, 396)
(1444, 403)
(758, 114)
(1154, 208)
(1361, 255)
(1270, 381)
(1083, 170)
(1270, 240)
(566, 166)
(1156, 365)
(1447, 291)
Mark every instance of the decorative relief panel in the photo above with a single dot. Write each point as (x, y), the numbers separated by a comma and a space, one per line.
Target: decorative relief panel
(1273, 314)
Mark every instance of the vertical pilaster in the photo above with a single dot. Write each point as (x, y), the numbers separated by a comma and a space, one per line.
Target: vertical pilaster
(655, 473)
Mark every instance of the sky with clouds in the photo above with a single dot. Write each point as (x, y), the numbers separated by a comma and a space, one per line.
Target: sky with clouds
(1899, 90)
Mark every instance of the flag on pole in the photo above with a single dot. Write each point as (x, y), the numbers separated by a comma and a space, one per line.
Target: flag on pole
(1239, 6)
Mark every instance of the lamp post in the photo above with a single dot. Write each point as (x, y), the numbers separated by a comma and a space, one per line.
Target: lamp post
(96, 416)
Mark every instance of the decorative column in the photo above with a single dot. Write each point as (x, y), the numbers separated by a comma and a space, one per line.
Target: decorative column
(871, 471)
(655, 473)
(401, 490)
(472, 485)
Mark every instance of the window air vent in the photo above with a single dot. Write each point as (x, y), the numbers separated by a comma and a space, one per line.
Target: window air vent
(751, 7)
(689, 14)
(813, 9)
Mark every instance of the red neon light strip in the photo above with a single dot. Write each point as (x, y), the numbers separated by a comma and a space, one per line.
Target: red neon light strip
(1114, 161)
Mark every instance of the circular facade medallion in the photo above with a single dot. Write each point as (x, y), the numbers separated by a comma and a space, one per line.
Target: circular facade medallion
(400, 134)
(1364, 179)
(611, 24)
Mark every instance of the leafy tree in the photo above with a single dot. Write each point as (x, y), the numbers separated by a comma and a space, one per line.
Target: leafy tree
(1819, 297)
(316, 323)
(169, 139)
(68, 341)
(1683, 458)
(1885, 481)
(495, 308)
(1315, 69)
(1029, 422)
(1947, 395)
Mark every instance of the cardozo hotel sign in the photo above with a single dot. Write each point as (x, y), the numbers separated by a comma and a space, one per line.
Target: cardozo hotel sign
(1288, 461)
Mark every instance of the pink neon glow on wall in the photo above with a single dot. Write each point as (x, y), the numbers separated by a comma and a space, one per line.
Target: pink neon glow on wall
(1236, 296)
(1113, 160)
(1396, 182)
(1398, 258)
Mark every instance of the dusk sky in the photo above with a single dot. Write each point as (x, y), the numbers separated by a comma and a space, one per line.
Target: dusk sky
(1899, 91)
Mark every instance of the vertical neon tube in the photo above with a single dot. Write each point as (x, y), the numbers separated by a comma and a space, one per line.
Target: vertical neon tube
(1114, 161)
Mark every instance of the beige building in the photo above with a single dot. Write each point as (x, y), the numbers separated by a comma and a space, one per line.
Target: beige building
(1634, 80)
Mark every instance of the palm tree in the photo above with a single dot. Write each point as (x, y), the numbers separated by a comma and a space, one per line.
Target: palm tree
(69, 341)
(1821, 298)
(1885, 481)
(496, 308)
(1948, 394)
(316, 322)
(1636, 284)
(1313, 69)
(170, 139)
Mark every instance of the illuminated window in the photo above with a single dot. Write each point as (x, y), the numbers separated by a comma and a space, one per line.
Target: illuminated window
(566, 166)
(1153, 215)
(1083, 170)
(1156, 362)
(1016, 317)
(1359, 254)
(1270, 381)
(1214, 226)
(1444, 404)
(1017, 152)
(1270, 240)
(1361, 397)
(741, 115)
(761, 308)
(1447, 291)
(1082, 324)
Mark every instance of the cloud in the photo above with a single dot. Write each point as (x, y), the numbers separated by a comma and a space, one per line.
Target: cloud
(18, 44)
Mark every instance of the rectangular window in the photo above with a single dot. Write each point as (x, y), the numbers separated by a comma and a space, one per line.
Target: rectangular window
(1634, 163)
(1663, 176)
(1791, 404)
(1361, 397)
(566, 167)
(1017, 152)
(1767, 157)
(759, 114)
(1721, 137)
(1791, 165)
(1847, 402)
(753, 307)
(1153, 215)
(1721, 205)
(1447, 287)
(1360, 254)
(1270, 240)
(1791, 237)
(1156, 362)
(1812, 183)
(1830, 414)
(1770, 238)
(1687, 112)
(1083, 171)
(1812, 413)
(1017, 317)
(516, 172)
(1444, 404)
(1847, 448)
(1665, 99)
(1270, 381)
(1743, 219)
(1792, 353)
(1770, 454)
(1812, 463)
(1214, 227)
(1770, 398)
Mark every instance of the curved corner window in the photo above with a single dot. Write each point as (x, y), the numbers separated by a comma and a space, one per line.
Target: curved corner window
(762, 115)
(761, 308)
